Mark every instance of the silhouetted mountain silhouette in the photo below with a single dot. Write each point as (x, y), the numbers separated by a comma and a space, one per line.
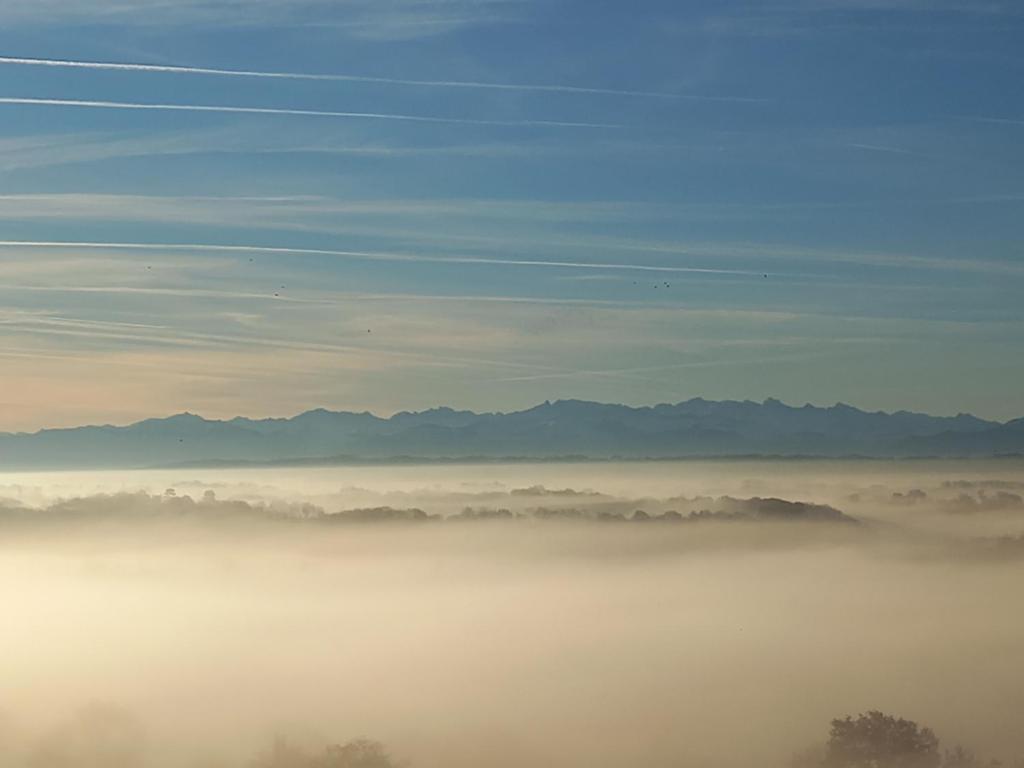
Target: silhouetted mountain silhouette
(553, 429)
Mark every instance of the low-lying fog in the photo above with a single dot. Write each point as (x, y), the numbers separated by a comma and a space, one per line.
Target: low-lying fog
(507, 616)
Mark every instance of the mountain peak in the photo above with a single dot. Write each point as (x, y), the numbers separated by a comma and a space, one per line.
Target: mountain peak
(185, 417)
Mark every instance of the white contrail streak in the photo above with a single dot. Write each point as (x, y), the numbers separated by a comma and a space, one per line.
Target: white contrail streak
(186, 70)
(371, 256)
(993, 120)
(335, 298)
(88, 104)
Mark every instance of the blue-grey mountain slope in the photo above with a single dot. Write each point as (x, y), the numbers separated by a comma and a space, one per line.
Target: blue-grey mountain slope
(567, 428)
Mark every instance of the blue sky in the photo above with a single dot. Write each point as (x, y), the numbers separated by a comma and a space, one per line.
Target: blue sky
(816, 200)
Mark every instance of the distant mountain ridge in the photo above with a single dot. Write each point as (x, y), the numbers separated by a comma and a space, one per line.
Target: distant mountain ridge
(693, 428)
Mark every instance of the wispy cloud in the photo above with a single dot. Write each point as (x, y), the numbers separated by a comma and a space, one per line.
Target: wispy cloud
(980, 7)
(91, 104)
(250, 210)
(335, 298)
(402, 20)
(59, 149)
(807, 18)
(366, 19)
(188, 293)
(743, 252)
(882, 148)
(328, 77)
(633, 373)
(49, 325)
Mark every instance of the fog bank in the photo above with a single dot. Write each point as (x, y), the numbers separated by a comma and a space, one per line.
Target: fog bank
(196, 639)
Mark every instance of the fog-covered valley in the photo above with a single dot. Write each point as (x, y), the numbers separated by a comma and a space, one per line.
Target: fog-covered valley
(606, 614)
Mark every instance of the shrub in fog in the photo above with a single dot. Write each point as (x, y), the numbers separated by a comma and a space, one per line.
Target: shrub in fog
(877, 740)
(361, 753)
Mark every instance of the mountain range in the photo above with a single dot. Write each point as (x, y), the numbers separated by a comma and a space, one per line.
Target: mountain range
(562, 429)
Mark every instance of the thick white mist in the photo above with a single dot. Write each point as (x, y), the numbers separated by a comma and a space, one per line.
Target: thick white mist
(522, 642)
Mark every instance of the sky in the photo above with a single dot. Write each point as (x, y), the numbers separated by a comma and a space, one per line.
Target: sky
(268, 206)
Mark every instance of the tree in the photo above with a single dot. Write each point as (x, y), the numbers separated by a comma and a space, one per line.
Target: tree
(361, 753)
(877, 740)
(99, 737)
(958, 757)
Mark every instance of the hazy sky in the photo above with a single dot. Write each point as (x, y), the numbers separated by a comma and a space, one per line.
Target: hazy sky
(499, 202)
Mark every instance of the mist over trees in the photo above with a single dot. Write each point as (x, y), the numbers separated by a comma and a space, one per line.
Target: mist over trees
(105, 736)
(516, 617)
(99, 736)
(171, 505)
(875, 739)
(361, 753)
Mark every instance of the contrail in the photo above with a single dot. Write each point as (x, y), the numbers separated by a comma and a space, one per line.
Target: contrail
(295, 112)
(77, 328)
(142, 291)
(372, 256)
(881, 148)
(336, 297)
(993, 120)
(186, 70)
